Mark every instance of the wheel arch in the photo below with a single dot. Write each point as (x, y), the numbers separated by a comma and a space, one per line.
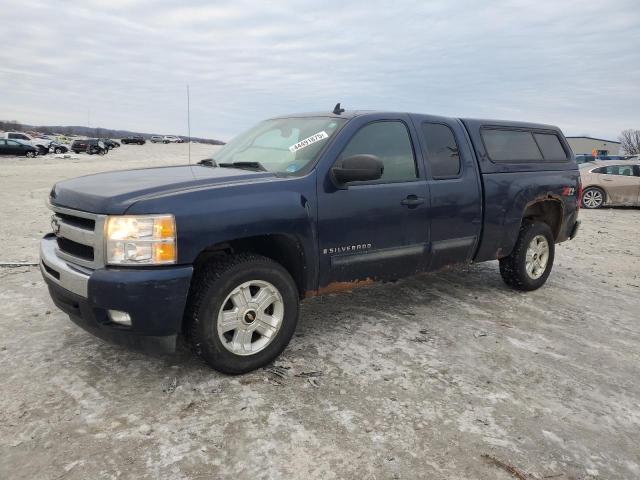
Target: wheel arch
(549, 211)
(285, 249)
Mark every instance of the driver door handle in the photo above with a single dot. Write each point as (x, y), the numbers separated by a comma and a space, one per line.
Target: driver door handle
(412, 201)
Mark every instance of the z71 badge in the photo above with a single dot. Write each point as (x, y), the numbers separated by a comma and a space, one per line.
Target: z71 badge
(347, 248)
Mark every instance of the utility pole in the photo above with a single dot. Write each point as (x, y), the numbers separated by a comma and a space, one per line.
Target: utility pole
(189, 124)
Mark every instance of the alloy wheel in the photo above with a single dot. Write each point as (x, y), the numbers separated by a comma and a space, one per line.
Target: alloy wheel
(592, 198)
(250, 317)
(537, 257)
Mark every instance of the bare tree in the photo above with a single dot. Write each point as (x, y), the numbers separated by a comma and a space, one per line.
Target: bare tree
(630, 140)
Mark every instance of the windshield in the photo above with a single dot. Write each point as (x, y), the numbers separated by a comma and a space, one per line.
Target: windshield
(281, 145)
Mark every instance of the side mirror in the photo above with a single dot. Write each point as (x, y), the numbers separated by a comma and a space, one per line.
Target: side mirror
(357, 168)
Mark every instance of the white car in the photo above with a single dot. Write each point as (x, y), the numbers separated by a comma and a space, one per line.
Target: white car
(173, 139)
(42, 143)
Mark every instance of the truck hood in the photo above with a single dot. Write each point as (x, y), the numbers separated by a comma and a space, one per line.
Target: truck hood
(114, 192)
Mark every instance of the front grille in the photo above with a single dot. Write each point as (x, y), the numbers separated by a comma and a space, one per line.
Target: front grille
(74, 248)
(79, 236)
(86, 223)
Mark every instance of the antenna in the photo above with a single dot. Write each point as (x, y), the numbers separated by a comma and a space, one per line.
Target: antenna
(337, 110)
(189, 124)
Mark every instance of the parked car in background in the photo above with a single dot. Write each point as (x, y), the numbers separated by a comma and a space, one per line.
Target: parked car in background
(607, 183)
(584, 158)
(111, 143)
(173, 139)
(90, 145)
(158, 139)
(57, 147)
(15, 147)
(42, 150)
(611, 157)
(133, 139)
(35, 142)
(79, 145)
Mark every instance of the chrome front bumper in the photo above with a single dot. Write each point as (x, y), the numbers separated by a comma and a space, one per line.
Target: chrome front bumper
(59, 271)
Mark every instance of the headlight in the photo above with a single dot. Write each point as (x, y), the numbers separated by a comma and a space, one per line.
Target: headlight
(141, 240)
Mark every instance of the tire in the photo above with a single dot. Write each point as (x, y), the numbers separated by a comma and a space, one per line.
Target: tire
(528, 270)
(593, 197)
(57, 150)
(210, 296)
(30, 154)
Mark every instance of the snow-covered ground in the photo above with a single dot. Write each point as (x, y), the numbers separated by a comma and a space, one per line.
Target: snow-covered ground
(440, 376)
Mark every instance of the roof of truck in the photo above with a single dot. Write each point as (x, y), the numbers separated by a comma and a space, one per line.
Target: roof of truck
(470, 122)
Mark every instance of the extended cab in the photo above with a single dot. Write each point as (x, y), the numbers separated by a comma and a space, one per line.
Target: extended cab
(301, 206)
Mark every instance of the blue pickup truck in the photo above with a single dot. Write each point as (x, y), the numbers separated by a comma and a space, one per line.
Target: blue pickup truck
(298, 206)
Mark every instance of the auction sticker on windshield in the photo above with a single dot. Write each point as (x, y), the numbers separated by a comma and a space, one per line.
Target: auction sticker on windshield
(309, 141)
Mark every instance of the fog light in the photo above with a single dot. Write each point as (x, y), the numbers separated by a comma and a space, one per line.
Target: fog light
(123, 318)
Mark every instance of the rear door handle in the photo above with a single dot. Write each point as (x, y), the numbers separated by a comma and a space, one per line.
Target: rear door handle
(412, 201)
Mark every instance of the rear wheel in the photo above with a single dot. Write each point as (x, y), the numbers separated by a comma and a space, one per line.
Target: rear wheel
(529, 264)
(57, 150)
(593, 198)
(242, 312)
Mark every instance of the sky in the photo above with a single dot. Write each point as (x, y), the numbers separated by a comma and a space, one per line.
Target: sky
(125, 64)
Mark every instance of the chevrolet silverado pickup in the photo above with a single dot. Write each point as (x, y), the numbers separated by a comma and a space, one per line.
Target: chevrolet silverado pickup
(298, 206)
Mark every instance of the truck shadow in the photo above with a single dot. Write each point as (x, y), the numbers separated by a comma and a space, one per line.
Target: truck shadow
(322, 320)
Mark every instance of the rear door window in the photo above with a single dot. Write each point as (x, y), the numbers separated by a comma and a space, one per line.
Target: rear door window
(442, 150)
(551, 147)
(510, 146)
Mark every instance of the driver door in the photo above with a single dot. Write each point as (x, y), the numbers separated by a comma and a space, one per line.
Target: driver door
(375, 229)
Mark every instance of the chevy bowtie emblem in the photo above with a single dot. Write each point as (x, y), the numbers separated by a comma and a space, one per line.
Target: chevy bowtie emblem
(55, 224)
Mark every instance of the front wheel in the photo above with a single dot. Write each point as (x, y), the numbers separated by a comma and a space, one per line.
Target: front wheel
(529, 264)
(30, 154)
(592, 198)
(57, 150)
(242, 312)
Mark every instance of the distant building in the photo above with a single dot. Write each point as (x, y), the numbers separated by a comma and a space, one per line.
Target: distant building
(589, 144)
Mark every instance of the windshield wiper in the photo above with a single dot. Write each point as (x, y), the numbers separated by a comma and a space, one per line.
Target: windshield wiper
(208, 162)
(245, 166)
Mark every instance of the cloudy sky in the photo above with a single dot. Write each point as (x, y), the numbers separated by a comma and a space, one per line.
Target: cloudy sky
(125, 63)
